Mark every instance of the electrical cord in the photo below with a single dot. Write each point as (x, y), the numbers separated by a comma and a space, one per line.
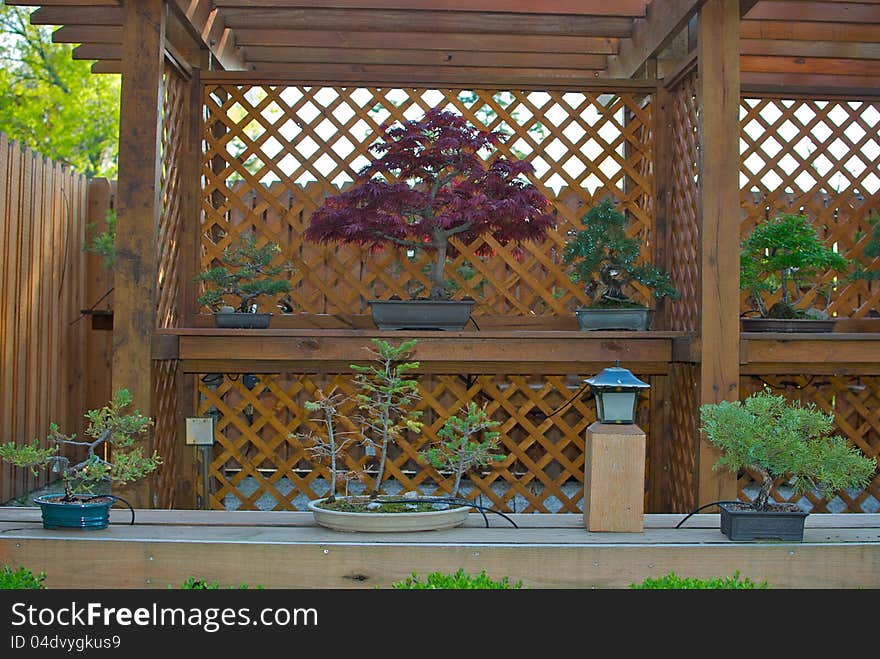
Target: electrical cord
(92, 497)
(696, 510)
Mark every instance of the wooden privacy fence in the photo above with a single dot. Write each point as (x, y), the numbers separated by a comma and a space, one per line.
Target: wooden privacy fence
(49, 356)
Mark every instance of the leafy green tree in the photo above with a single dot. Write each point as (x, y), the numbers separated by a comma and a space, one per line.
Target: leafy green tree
(53, 103)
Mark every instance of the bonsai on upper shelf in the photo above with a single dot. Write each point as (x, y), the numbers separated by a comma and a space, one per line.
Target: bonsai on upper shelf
(428, 184)
(246, 272)
(108, 427)
(466, 441)
(605, 260)
(780, 259)
(777, 438)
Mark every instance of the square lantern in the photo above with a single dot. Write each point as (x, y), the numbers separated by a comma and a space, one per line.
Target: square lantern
(616, 391)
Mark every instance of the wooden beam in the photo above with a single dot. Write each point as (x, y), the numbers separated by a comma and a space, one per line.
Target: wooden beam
(107, 66)
(426, 21)
(719, 213)
(427, 41)
(798, 30)
(62, 3)
(810, 65)
(634, 8)
(830, 12)
(208, 26)
(98, 51)
(410, 76)
(819, 86)
(88, 34)
(663, 22)
(138, 205)
(257, 55)
(852, 50)
(80, 15)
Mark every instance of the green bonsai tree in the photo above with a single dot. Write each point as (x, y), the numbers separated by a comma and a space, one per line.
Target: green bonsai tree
(779, 260)
(606, 261)
(776, 438)
(108, 426)
(466, 441)
(246, 272)
(384, 400)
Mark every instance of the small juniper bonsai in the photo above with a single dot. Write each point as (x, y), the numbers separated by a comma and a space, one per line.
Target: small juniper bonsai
(776, 438)
(781, 258)
(108, 426)
(606, 261)
(466, 441)
(246, 272)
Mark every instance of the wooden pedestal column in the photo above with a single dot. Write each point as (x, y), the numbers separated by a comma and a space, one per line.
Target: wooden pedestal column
(614, 478)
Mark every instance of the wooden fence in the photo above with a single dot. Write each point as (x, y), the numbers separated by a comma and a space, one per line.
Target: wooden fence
(53, 366)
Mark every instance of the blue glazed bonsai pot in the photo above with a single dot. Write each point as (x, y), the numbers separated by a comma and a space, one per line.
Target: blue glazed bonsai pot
(86, 512)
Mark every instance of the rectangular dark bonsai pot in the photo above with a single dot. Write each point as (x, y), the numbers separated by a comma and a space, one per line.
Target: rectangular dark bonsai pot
(740, 522)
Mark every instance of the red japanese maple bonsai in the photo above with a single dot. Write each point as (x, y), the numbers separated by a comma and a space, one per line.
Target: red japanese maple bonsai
(427, 184)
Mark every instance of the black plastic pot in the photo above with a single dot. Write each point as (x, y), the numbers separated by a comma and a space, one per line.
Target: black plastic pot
(741, 522)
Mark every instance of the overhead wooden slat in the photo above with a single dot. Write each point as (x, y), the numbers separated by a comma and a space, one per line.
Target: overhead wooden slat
(77, 15)
(426, 40)
(835, 12)
(207, 26)
(834, 49)
(98, 51)
(664, 20)
(88, 34)
(426, 21)
(107, 66)
(811, 84)
(574, 7)
(258, 54)
(810, 65)
(807, 31)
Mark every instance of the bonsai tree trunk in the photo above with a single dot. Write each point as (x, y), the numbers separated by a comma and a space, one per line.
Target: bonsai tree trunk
(438, 281)
(763, 497)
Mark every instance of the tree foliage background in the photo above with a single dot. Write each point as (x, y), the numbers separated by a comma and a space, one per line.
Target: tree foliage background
(53, 103)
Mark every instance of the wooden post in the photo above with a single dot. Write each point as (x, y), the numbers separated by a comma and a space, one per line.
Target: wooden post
(614, 478)
(138, 206)
(719, 216)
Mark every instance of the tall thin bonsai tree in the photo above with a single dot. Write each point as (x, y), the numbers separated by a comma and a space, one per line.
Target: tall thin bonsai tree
(428, 184)
(777, 438)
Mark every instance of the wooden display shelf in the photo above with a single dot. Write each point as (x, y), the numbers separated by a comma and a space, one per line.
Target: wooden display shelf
(211, 350)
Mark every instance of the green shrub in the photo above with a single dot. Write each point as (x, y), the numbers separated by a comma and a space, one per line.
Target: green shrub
(673, 581)
(21, 579)
(191, 583)
(457, 581)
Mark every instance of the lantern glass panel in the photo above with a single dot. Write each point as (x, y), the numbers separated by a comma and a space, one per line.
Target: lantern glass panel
(617, 407)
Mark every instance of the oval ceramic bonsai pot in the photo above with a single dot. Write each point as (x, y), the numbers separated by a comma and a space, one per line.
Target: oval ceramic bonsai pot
(421, 314)
(238, 320)
(594, 318)
(87, 512)
(431, 520)
(787, 324)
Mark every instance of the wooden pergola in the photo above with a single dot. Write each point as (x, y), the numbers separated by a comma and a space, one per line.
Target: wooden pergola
(826, 47)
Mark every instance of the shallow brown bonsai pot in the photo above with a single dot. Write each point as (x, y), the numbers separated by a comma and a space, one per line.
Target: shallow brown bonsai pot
(739, 521)
(444, 517)
(787, 324)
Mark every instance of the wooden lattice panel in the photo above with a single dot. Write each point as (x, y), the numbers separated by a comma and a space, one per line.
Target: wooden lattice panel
(273, 153)
(820, 158)
(855, 403)
(681, 448)
(170, 220)
(166, 440)
(683, 251)
(257, 464)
